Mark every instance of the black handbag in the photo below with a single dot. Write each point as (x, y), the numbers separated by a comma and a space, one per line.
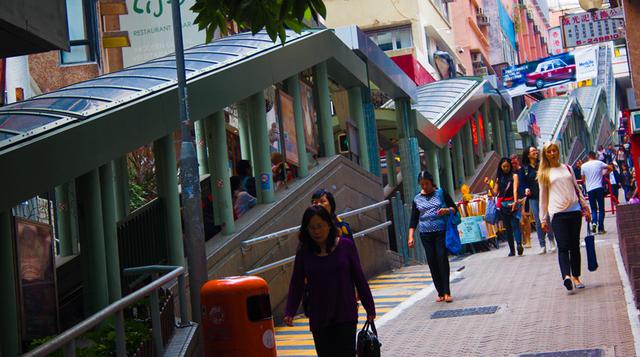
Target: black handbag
(368, 344)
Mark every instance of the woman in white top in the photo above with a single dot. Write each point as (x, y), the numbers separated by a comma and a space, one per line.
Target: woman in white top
(562, 204)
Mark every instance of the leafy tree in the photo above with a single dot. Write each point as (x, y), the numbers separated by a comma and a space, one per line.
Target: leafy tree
(273, 15)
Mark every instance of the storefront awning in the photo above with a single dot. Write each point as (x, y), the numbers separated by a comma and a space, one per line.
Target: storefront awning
(443, 107)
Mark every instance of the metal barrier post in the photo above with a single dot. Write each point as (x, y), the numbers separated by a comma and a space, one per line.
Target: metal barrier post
(396, 205)
(184, 319)
(121, 343)
(155, 320)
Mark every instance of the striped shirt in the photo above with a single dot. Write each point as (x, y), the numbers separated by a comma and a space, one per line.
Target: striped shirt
(424, 212)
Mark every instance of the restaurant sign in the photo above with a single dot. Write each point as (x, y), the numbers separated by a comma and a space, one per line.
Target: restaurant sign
(588, 28)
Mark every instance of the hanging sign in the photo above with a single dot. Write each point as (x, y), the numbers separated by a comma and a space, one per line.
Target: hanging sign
(587, 28)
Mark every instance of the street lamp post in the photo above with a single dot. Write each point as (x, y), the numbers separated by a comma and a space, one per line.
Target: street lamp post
(189, 179)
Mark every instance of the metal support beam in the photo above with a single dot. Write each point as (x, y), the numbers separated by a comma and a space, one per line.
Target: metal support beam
(218, 162)
(467, 143)
(92, 247)
(357, 115)
(243, 130)
(63, 221)
(108, 195)
(201, 148)
(506, 121)
(408, 147)
(432, 165)
(321, 89)
(260, 148)
(486, 126)
(447, 183)
(392, 179)
(9, 323)
(167, 180)
(458, 160)
(121, 174)
(293, 88)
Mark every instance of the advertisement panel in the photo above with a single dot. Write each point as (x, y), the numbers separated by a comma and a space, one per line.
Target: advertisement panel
(550, 72)
(37, 278)
(555, 44)
(151, 32)
(289, 128)
(588, 28)
(309, 113)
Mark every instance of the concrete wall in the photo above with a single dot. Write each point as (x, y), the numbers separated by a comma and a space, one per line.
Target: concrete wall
(353, 188)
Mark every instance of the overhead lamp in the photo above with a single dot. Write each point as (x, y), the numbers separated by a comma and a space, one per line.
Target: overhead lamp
(590, 5)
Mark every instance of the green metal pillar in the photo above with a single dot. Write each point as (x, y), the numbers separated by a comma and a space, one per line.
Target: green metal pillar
(458, 158)
(73, 217)
(321, 83)
(167, 181)
(63, 221)
(467, 143)
(392, 179)
(109, 220)
(121, 174)
(497, 132)
(486, 127)
(447, 183)
(432, 165)
(293, 87)
(506, 121)
(476, 118)
(408, 146)
(503, 139)
(9, 323)
(260, 148)
(201, 147)
(92, 244)
(219, 162)
(357, 115)
(243, 130)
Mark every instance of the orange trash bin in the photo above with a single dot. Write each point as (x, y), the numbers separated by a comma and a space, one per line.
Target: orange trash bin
(236, 317)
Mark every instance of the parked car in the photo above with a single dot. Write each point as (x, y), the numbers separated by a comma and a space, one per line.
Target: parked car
(554, 70)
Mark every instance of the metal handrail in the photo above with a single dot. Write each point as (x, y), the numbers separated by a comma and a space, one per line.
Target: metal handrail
(66, 340)
(290, 259)
(285, 232)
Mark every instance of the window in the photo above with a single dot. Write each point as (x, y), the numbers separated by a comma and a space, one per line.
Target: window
(443, 6)
(392, 39)
(81, 23)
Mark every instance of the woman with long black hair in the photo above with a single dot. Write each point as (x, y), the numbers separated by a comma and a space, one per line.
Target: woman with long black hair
(331, 267)
(506, 190)
(562, 204)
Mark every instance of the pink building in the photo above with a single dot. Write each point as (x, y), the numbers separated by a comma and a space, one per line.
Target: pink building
(470, 30)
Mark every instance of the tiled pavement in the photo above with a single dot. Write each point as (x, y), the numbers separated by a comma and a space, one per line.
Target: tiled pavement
(535, 313)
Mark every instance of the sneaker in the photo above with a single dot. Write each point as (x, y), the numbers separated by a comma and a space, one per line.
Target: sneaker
(511, 254)
(552, 246)
(543, 250)
(594, 227)
(602, 232)
(520, 249)
(568, 283)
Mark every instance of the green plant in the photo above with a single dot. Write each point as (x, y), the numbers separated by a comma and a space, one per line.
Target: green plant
(142, 177)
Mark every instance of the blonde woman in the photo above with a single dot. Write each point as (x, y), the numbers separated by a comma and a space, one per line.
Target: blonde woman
(562, 204)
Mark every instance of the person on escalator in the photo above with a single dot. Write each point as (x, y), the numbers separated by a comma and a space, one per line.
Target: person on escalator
(325, 199)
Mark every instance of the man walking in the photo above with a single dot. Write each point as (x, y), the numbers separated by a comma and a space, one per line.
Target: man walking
(592, 172)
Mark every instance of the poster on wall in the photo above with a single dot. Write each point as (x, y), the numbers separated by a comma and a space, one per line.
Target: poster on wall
(555, 44)
(289, 128)
(37, 278)
(550, 71)
(272, 119)
(150, 30)
(309, 114)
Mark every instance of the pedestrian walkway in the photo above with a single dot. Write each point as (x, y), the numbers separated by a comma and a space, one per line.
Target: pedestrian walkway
(389, 290)
(517, 306)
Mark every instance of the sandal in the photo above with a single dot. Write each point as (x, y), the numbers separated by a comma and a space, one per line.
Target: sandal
(448, 298)
(440, 299)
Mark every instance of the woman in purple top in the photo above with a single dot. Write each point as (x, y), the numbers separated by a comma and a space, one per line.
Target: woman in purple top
(331, 267)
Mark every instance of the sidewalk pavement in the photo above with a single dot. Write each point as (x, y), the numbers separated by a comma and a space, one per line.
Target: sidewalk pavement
(535, 312)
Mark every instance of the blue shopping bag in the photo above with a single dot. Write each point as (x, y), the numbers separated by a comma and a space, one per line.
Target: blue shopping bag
(491, 214)
(454, 246)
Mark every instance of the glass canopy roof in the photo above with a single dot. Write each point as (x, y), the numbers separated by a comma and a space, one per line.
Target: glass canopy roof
(22, 120)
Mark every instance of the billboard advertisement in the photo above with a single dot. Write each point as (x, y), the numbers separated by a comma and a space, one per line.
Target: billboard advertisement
(588, 28)
(150, 29)
(549, 72)
(289, 128)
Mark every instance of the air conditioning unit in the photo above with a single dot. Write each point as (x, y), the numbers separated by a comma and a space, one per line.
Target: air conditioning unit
(481, 71)
(476, 57)
(529, 15)
(521, 2)
(482, 20)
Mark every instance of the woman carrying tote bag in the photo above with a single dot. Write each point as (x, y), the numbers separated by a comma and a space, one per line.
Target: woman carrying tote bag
(562, 204)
